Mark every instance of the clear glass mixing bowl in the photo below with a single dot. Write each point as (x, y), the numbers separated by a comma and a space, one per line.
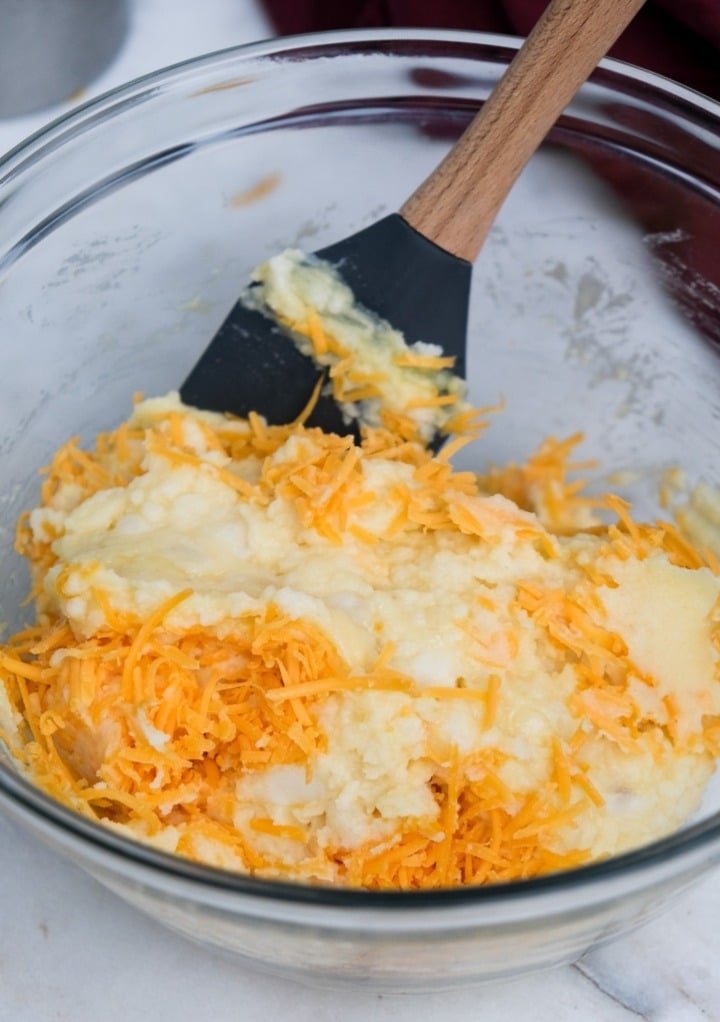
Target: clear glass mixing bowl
(127, 230)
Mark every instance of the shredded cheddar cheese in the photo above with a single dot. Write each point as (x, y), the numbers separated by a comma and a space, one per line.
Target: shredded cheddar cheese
(275, 651)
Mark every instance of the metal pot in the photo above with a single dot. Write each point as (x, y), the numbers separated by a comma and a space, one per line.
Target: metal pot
(51, 48)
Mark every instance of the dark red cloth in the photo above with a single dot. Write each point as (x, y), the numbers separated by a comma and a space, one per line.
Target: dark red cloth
(677, 38)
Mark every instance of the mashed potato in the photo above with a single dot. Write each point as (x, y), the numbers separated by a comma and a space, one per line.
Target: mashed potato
(273, 650)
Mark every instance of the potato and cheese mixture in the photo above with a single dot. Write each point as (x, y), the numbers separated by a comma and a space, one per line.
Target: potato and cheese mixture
(272, 650)
(374, 376)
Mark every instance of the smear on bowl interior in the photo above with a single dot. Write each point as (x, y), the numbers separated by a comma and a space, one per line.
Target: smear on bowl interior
(271, 649)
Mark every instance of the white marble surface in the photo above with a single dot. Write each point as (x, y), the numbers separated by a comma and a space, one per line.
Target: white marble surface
(71, 952)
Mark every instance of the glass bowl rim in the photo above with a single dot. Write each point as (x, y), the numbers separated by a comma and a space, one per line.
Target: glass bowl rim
(24, 796)
(309, 44)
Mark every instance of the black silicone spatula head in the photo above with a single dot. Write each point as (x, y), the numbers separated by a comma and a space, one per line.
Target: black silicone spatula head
(253, 365)
(413, 268)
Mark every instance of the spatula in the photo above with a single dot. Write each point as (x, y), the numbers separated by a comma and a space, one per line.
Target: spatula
(413, 268)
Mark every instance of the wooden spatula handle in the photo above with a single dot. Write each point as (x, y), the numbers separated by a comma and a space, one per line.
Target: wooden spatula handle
(457, 204)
